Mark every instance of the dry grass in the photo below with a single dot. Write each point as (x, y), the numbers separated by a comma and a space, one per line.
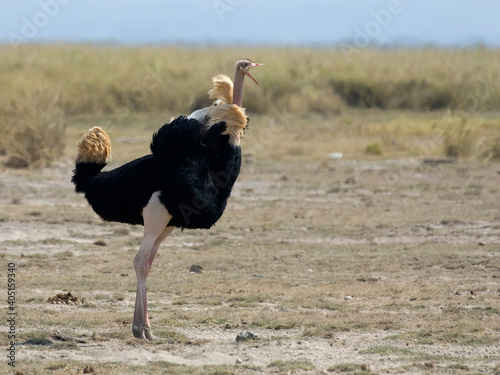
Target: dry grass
(89, 79)
(43, 87)
(414, 244)
(302, 139)
(33, 130)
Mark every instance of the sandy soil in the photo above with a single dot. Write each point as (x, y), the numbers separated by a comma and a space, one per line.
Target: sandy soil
(379, 204)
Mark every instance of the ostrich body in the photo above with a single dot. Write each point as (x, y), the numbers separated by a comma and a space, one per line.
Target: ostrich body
(184, 183)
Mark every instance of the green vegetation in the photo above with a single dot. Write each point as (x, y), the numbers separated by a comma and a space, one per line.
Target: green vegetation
(349, 368)
(374, 149)
(386, 350)
(291, 367)
(153, 368)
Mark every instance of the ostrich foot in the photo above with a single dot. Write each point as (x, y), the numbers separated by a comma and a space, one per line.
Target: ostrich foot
(149, 334)
(143, 333)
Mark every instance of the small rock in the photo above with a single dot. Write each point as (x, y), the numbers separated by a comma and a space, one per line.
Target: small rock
(347, 298)
(365, 367)
(429, 364)
(196, 268)
(350, 180)
(246, 336)
(238, 361)
(257, 275)
(100, 243)
(89, 369)
(335, 155)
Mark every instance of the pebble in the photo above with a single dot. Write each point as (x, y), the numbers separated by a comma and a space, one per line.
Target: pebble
(245, 336)
(196, 268)
(347, 298)
(335, 155)
(350, 180)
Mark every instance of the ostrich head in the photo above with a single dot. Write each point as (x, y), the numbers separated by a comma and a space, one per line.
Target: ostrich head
(241, 70)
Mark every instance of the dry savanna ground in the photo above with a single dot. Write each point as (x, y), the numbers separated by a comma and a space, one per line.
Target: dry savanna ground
(364, 264)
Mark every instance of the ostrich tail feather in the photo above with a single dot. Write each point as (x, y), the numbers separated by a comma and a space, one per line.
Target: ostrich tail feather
(94, 147)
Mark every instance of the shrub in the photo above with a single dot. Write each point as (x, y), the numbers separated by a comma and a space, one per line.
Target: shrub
(33, 132)
(374, 149)
(457, 140)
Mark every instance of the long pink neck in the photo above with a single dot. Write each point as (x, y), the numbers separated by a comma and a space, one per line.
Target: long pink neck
(238, 88)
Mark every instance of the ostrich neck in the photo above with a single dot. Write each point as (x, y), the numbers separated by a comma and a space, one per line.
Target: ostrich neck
(238, 88)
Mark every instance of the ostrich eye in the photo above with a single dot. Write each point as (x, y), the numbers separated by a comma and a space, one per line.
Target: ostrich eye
(246, 64)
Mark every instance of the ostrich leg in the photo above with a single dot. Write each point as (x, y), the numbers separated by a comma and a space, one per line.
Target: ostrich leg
(156, 218)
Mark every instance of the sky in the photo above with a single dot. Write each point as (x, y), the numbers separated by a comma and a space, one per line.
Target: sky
(357, 23)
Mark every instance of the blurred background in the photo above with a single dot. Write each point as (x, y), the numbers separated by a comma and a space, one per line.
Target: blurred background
(443, 23)
(397, 78)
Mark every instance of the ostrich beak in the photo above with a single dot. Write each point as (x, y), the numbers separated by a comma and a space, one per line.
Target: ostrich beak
(247, 72)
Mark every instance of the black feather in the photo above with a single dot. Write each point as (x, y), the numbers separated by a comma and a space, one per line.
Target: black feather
(192, 165)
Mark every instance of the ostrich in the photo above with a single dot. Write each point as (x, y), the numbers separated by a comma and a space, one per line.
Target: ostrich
(184, 183)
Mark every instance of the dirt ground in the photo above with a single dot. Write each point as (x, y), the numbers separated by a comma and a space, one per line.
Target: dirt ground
(389, 266)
